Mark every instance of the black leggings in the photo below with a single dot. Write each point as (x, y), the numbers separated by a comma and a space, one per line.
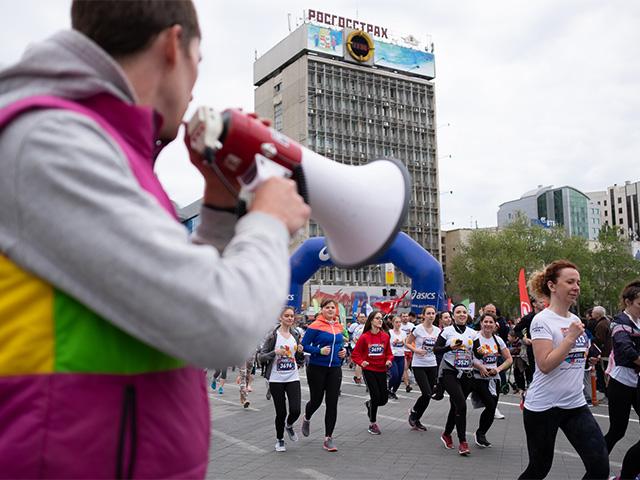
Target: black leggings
(458, 390)
(631, 463)
(580, 428)
(621, 399)
(426, 378)
(292, 392)
(377, 384)
(481, 387)
(324, 382)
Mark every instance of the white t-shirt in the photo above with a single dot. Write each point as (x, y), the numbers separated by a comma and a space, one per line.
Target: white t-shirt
(284, 367)
(563, 386)
(397, 343)
(407, 328)
(355, 334)
(490, 351)
(459, 359)
(426, 341)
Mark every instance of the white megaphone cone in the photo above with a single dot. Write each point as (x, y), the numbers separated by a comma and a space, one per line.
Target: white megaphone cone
(359, 208)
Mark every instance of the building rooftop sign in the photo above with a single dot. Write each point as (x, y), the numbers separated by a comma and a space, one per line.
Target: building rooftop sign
(344, 22)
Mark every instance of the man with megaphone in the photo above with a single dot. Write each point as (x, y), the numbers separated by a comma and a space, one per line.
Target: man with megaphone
(108, 308)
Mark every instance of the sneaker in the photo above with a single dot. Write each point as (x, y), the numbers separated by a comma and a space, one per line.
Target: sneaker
(374, 429)
(268, 394)
(293, 436)
(447, 440)
(246, 404)
(368, 405)
(481, 440)
(438, 392)
(306, 427)
(498, 415)
(412, 418)
(393, 396)
(220, 390)
(420, 426)
(409, 388)
(357, 380)
(213, 385)
(280, 446)
(463, 449)
(328, 445)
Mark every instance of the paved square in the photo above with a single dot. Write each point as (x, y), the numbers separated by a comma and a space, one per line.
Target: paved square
(242, 442)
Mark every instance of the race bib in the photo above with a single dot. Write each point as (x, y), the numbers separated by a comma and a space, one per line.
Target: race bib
(578, 354)
(376, 350)
(285, 364)
(428, 344)
(463, 360)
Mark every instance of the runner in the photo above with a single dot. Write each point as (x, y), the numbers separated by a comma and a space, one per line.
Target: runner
(407, 327)
(443, 319)
(283, 350)
(373, 353)
(455, 374)
(623, 377)
(487, 347)
(421, 342)
(554, 398)
(323, 340)
(355, 332)
(398, 338)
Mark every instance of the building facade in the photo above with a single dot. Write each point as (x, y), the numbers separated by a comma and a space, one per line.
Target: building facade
(620, 208)
(548, 207)
(354, 98)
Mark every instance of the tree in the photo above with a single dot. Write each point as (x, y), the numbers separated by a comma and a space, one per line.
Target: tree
(486, 268)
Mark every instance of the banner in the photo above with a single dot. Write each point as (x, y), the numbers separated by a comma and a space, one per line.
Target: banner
(525, 304)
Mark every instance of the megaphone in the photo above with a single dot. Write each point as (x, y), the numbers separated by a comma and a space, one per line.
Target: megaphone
(359, 208)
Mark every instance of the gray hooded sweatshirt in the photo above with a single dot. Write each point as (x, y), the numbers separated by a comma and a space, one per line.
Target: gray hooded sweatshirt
(73, 214)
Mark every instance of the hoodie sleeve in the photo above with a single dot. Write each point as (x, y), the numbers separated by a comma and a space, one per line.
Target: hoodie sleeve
(74, 215)
(308, 339)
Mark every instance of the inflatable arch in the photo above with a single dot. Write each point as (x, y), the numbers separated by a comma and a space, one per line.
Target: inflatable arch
(427, 280)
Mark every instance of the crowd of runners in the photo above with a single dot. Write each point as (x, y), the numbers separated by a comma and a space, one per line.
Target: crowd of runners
(544, 357)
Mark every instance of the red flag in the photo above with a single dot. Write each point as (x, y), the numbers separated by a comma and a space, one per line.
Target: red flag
(389, 306)
(525, 304)
(449, 304)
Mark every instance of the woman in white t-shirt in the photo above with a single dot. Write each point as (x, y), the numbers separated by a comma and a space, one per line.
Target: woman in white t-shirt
(555, 399)
(487, 348)
(455, 343)
(398, 338)
(425, 368)
(282, 353)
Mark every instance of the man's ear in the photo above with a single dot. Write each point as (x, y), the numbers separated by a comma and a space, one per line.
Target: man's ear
(171, 38)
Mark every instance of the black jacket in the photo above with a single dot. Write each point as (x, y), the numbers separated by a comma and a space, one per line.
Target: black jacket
(267, 353)
(626, 341)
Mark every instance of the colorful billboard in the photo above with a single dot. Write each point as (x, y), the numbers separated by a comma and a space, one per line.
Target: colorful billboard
(324, 40)
(404, 59)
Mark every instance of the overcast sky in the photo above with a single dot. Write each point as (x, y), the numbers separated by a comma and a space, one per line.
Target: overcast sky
(528, 92)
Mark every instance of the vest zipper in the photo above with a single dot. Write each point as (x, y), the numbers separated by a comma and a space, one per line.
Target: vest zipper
(128, 423)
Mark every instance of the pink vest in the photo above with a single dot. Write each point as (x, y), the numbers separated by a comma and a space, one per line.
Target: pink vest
(143, 414)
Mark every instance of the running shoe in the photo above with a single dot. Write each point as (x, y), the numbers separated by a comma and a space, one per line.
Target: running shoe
(393, 396)
(293, 436)
(498, 415)
(409, 388)
(447, 440)
(463, 449)
(306, 427)
(213, 385)
(412, 418)
(481, 440)
(280, 446)
(374, 429)
(220, 390)
(420, 426)
(368, 405)
(328, 445)
(438, 392)
(246, 404)
(357, 380)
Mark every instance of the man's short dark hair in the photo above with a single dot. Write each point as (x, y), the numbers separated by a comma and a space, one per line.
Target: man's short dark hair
(124, 27)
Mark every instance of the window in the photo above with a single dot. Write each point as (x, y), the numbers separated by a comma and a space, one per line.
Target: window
(277, 87)
(619, 199)
(620, 210)
(277, 116)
